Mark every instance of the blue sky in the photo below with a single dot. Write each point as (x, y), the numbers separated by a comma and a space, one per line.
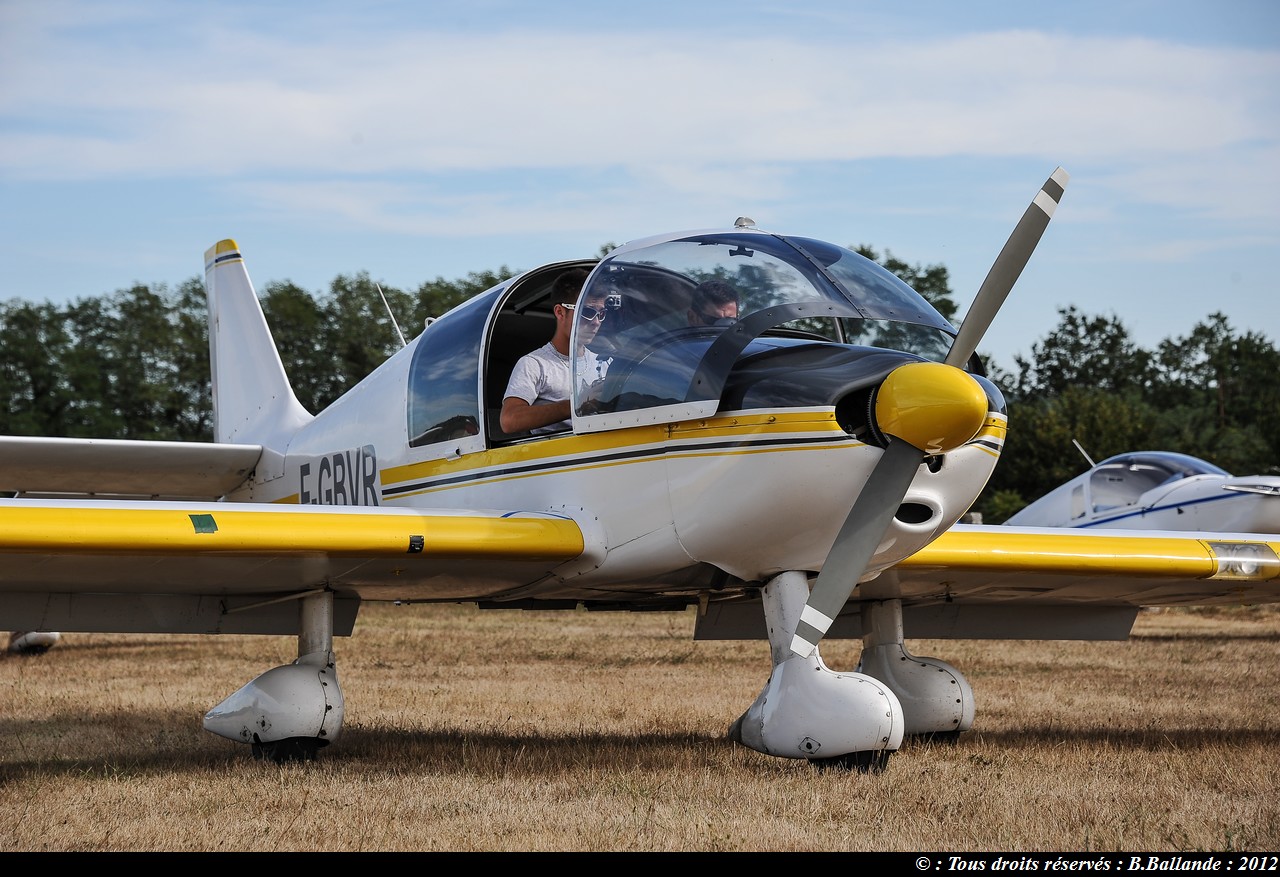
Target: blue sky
(415, 140)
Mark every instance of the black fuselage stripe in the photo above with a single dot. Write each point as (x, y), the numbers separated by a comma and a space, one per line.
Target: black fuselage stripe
(595, 460)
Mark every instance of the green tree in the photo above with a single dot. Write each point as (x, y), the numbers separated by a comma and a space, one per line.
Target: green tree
(1082, 351)
(931, 281)
(330, 343)
(435, 297)
(300, 326)
(90, 366)
(138, 345)
(363, 335)
(189, 402)
(33, 381)
(1238, 448)
(1220, 394)
(132, 364)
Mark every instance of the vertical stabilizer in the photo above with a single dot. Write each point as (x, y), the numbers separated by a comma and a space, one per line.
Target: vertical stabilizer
(252, 400)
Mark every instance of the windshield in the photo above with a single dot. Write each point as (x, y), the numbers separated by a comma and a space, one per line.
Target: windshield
(681, 310)
(1123, 479)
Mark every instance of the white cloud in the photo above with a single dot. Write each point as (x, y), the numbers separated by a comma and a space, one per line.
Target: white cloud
(427, 101)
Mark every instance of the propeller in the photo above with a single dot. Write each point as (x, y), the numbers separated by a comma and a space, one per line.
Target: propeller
(923, 408)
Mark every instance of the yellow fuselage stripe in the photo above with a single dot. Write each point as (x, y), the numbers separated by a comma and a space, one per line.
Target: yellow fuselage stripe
(569, 446)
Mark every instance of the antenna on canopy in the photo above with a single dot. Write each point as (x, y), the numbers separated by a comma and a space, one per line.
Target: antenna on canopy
(1084, 452)
(403, 343)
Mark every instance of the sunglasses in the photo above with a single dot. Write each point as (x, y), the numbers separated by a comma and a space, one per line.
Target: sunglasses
(587, 312)
(712, 319)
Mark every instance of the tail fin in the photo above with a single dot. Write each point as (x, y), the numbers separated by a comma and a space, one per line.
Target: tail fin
(252, 400)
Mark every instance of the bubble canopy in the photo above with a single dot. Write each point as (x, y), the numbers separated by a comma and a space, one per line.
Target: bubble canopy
(681, 309)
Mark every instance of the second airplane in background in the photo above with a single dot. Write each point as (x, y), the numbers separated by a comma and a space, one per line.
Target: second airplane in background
(1159, 490)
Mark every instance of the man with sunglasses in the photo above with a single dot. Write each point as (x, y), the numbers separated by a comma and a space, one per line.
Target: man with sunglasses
(714, 303)
(538, 394)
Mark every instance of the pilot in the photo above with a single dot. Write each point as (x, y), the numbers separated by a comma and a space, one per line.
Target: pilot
(538, 394)
(714, 303)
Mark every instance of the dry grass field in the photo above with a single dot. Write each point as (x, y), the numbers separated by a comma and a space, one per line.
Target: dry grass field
(508, 731)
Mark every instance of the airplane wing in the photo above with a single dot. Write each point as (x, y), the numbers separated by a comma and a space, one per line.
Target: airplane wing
(173, 567)
(1153, 568)
(153, 566)
(113, 467)
(1001, 582)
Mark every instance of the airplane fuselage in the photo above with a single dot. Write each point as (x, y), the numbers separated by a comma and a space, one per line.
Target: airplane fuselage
(750, 493)
(709, 457)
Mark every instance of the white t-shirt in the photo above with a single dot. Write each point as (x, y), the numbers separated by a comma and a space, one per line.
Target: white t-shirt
(543, 375)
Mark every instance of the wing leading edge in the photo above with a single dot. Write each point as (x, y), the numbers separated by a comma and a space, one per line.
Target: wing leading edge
(1001, 582)
(180, 529)
(171, 567)
(1150, 568)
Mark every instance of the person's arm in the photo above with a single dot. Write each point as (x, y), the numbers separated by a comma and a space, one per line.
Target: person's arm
(519, 416)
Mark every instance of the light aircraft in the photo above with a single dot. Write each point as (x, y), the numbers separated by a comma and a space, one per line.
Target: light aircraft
(1158, 490)
(796, 474)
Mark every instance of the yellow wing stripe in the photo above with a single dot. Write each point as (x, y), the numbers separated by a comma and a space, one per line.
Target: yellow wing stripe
(1067, 553)
(113, 530)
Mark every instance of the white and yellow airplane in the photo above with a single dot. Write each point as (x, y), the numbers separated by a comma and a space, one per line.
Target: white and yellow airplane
(1158, 490)
(795, 474)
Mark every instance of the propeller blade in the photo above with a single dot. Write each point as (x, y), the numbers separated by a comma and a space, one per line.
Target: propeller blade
(857, 541)
(1008, 265)
(918, 425)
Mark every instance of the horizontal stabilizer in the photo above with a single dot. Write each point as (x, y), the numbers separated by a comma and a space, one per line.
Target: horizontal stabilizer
(120, 468)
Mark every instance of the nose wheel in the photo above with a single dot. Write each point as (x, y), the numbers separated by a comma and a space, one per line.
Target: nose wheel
(871, 761)
(841, 721)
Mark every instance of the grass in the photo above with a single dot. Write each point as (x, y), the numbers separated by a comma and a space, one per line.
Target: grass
(504, 731)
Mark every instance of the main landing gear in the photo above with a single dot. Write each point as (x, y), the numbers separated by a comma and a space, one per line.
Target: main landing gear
(290, 712)
(32, 642)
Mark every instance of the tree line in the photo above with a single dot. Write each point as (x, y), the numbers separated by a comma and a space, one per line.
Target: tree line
(134, 364)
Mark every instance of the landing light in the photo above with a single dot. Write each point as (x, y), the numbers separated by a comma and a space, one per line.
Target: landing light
(1245, 560)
